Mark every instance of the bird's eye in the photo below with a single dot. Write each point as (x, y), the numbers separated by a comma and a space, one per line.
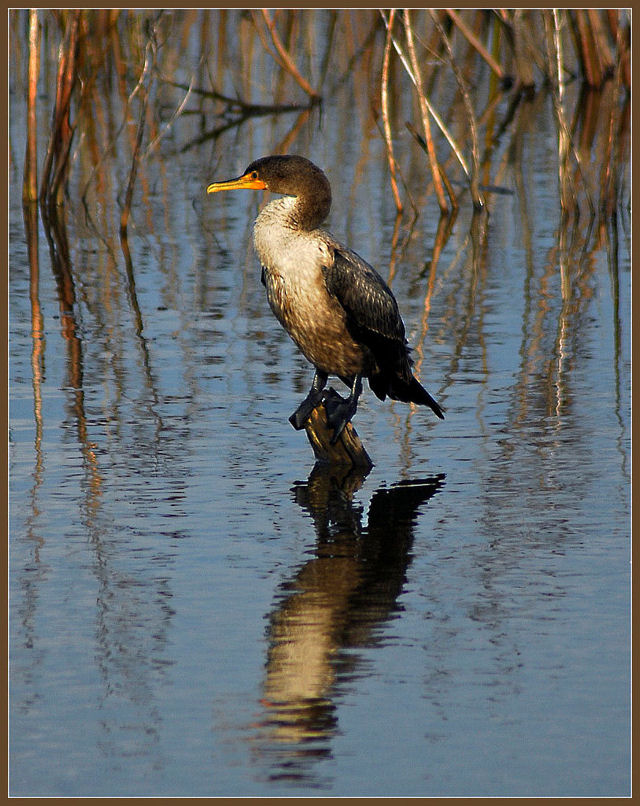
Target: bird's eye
(254, 174)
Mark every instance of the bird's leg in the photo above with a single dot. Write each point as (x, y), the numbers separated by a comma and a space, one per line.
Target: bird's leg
(340, 411)
(316, 393)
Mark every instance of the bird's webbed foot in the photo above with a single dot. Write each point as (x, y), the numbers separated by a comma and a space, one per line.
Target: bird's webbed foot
(340, 410)
(316, 393)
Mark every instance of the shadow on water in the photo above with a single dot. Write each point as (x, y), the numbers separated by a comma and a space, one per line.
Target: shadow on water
(338, 601)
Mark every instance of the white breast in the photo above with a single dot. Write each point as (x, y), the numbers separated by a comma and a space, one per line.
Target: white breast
(296, 290)
(282, 246)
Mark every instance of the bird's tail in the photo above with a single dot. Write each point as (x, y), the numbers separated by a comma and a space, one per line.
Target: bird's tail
(413, 392)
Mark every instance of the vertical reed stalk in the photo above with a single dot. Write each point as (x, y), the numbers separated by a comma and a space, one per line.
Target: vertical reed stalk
(478, 201)
(30, 212)
(284, 57)
(567, 202)
(524, 63)
(587, 47)
(142, 90)
(473, 40)
(601, 43)
(135, 161)
(452, 143)
(431, 151)
(385, 113)
(56, 160)
(30, 180)
(608, 172)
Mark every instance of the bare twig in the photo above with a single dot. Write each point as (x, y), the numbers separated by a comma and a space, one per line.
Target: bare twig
(246, 107)
(170, 122)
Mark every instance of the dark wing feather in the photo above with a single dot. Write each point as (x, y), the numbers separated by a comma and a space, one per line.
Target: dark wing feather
(370, 306)
(373, 318)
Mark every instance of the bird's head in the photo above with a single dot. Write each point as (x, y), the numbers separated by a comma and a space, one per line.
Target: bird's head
(289, 175)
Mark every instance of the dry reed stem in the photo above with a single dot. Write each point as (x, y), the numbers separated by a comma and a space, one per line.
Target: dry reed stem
(433, 160)
(38, 337)
(56, 158)
(394, 249)
(285, 60)
(569, 197)
(441, 237)
(384, 98)
(590, 38)
(30, 180)
(568, 201)
(141, 90)
(478, 201)
(608, 178)
(601, 42)
(585, 51)
(474, 42)
(432, 111)
(135, 161)
(524, 64)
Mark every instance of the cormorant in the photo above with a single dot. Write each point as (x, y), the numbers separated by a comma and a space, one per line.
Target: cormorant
(334, 305)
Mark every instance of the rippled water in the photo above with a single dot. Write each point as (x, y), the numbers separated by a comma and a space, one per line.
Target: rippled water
(196, 610)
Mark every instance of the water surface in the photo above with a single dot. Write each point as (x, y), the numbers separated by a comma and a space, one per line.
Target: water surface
(196, 610)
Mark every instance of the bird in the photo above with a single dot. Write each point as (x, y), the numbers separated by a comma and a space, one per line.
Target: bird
(335, 306)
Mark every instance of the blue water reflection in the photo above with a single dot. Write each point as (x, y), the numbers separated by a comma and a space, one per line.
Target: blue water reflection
(186, 617)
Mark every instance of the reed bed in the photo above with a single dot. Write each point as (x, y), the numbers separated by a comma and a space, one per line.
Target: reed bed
(312, 52)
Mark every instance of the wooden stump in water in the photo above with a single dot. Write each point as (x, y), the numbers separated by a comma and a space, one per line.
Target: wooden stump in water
(348, 449)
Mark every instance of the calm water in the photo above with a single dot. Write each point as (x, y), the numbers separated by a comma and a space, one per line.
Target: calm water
(195, 610)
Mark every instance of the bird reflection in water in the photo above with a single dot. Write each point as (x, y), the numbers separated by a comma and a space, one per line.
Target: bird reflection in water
(338, 601)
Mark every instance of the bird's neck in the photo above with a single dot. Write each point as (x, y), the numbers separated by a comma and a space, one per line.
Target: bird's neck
(279, 238)
(312, 209)
(303, 213)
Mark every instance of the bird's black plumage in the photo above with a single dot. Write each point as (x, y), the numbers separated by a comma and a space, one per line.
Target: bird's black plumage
(373, 319)
(334, 305)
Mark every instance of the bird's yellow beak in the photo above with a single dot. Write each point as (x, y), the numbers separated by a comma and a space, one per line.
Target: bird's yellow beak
(247, 182)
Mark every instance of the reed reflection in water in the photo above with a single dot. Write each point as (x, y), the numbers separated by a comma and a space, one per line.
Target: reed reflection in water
(152, 522)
